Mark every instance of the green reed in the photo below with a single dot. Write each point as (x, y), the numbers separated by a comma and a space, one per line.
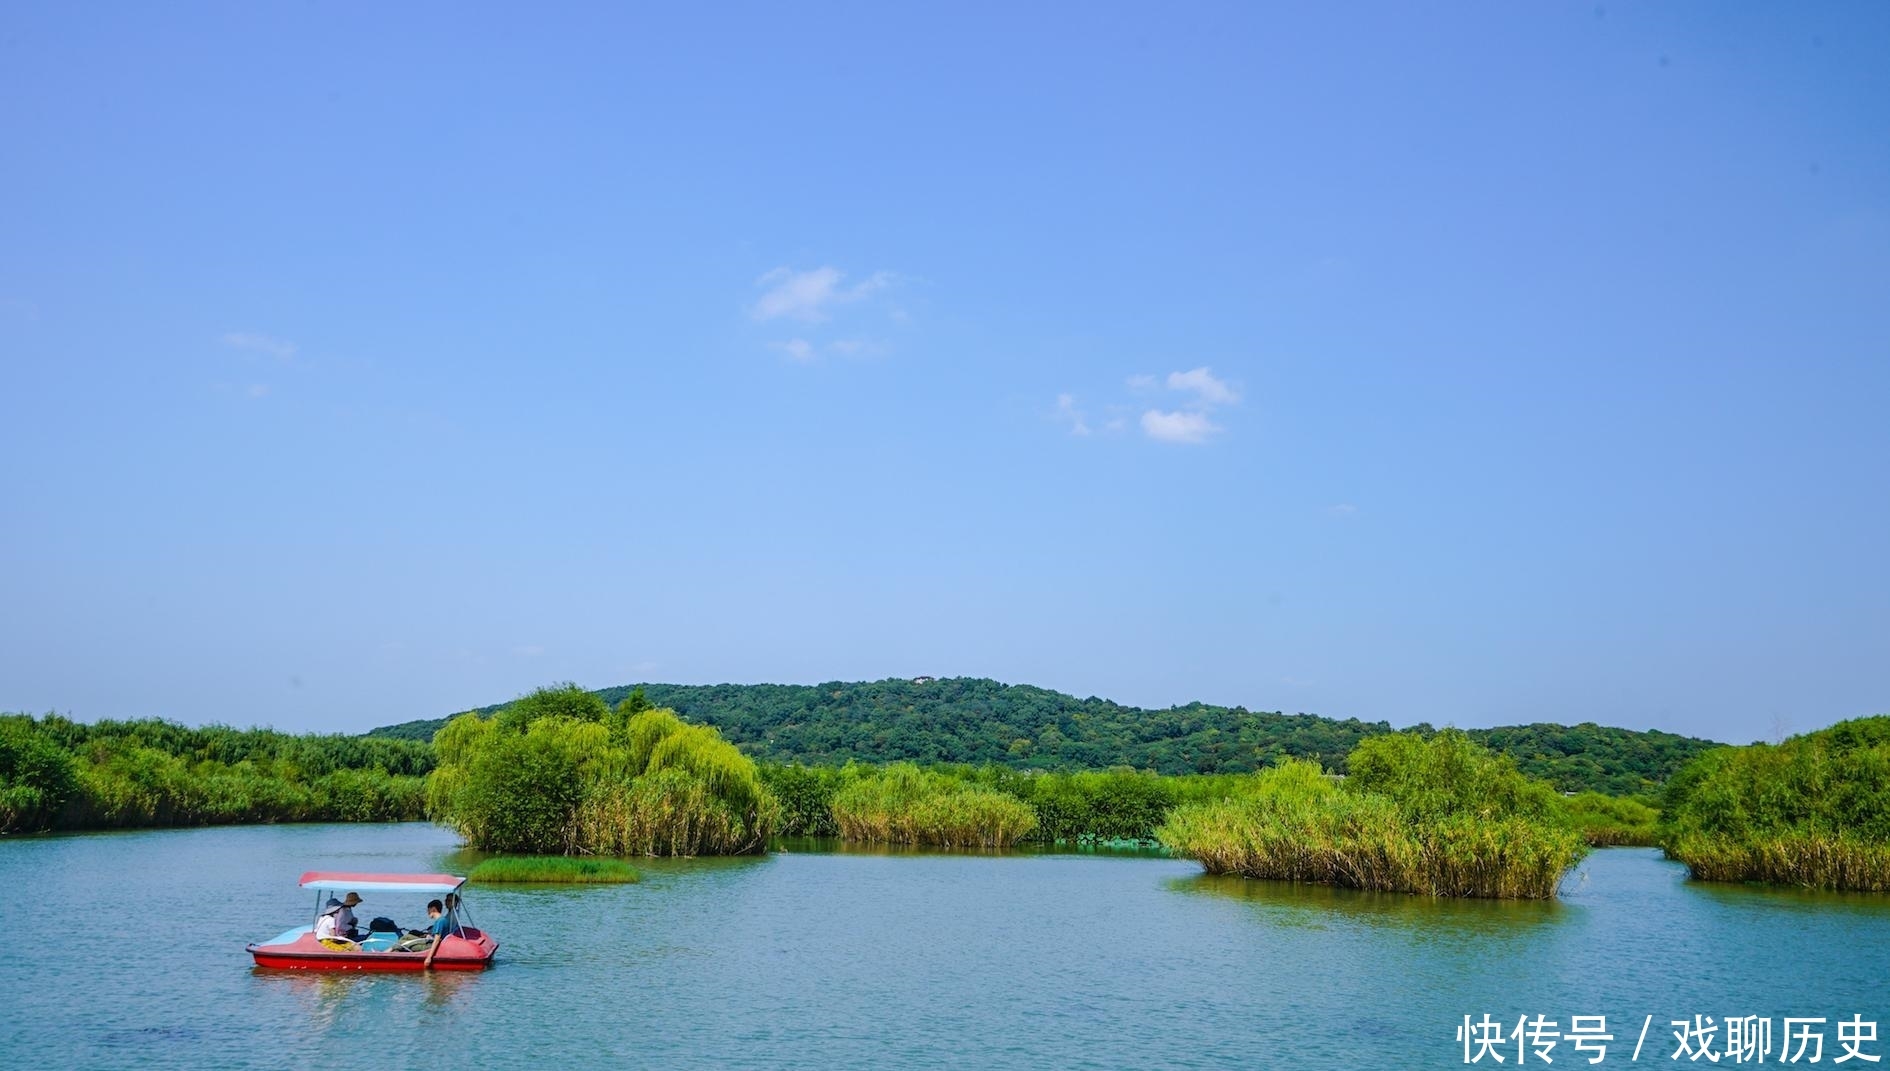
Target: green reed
(1429, 816)
(1812, 811)
(903, 804)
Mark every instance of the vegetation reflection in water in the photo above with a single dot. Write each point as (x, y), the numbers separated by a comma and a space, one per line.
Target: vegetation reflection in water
(1301, 905)
(1865, 906)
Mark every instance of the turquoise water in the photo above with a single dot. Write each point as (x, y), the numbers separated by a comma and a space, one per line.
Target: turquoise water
(126, 950)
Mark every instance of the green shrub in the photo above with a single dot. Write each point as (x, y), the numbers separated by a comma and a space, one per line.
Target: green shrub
(1088, 807)
(806, 796)
(37, 776)
(1610, 820)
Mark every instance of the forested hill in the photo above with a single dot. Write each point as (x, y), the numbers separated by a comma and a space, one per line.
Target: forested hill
(978, 721)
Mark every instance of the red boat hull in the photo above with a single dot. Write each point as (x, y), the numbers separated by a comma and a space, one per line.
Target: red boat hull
(468, 950)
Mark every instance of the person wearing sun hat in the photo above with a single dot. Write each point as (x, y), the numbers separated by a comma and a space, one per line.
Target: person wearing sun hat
(325, 928)
(344, 919)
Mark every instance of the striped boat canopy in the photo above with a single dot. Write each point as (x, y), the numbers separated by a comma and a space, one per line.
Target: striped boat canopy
(348, 879)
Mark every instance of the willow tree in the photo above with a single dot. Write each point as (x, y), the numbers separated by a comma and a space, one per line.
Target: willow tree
(555, 774)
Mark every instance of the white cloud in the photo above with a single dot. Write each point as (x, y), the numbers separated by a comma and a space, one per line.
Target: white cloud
(257, 390)
(1178, 427)
(530, 650)
(1342, 509)
(259, 343)
(855, 347)
(809, 296)
(1207, 389)
(805, 351)
(1191, 422)
(1068, 413)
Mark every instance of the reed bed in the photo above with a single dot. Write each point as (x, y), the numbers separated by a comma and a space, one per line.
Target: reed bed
(1810, 860)
(1611, 821)
(906, 805)
(1812, 811)
(1293, 824)
(552, 869)
(669, 813)
(1088, 807)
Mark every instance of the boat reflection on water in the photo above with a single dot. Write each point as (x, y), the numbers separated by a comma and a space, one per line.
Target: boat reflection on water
(345, 1002)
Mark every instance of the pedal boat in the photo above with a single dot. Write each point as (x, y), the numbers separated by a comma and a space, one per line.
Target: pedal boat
(464, 948)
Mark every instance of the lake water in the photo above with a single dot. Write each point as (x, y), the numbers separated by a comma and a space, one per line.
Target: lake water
(126, 950)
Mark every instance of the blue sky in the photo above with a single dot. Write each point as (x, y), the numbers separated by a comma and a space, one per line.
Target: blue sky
(1475, 364)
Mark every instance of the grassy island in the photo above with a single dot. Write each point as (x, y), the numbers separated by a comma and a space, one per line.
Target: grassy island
(1438, 815)
(1813, 811)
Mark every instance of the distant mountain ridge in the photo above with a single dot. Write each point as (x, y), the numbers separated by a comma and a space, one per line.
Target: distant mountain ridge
(977, 721)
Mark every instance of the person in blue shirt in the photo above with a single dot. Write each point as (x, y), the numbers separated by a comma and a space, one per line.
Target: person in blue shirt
(439, 923)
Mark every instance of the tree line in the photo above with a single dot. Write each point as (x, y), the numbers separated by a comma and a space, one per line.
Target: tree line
(983, 722)
(56, 773)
